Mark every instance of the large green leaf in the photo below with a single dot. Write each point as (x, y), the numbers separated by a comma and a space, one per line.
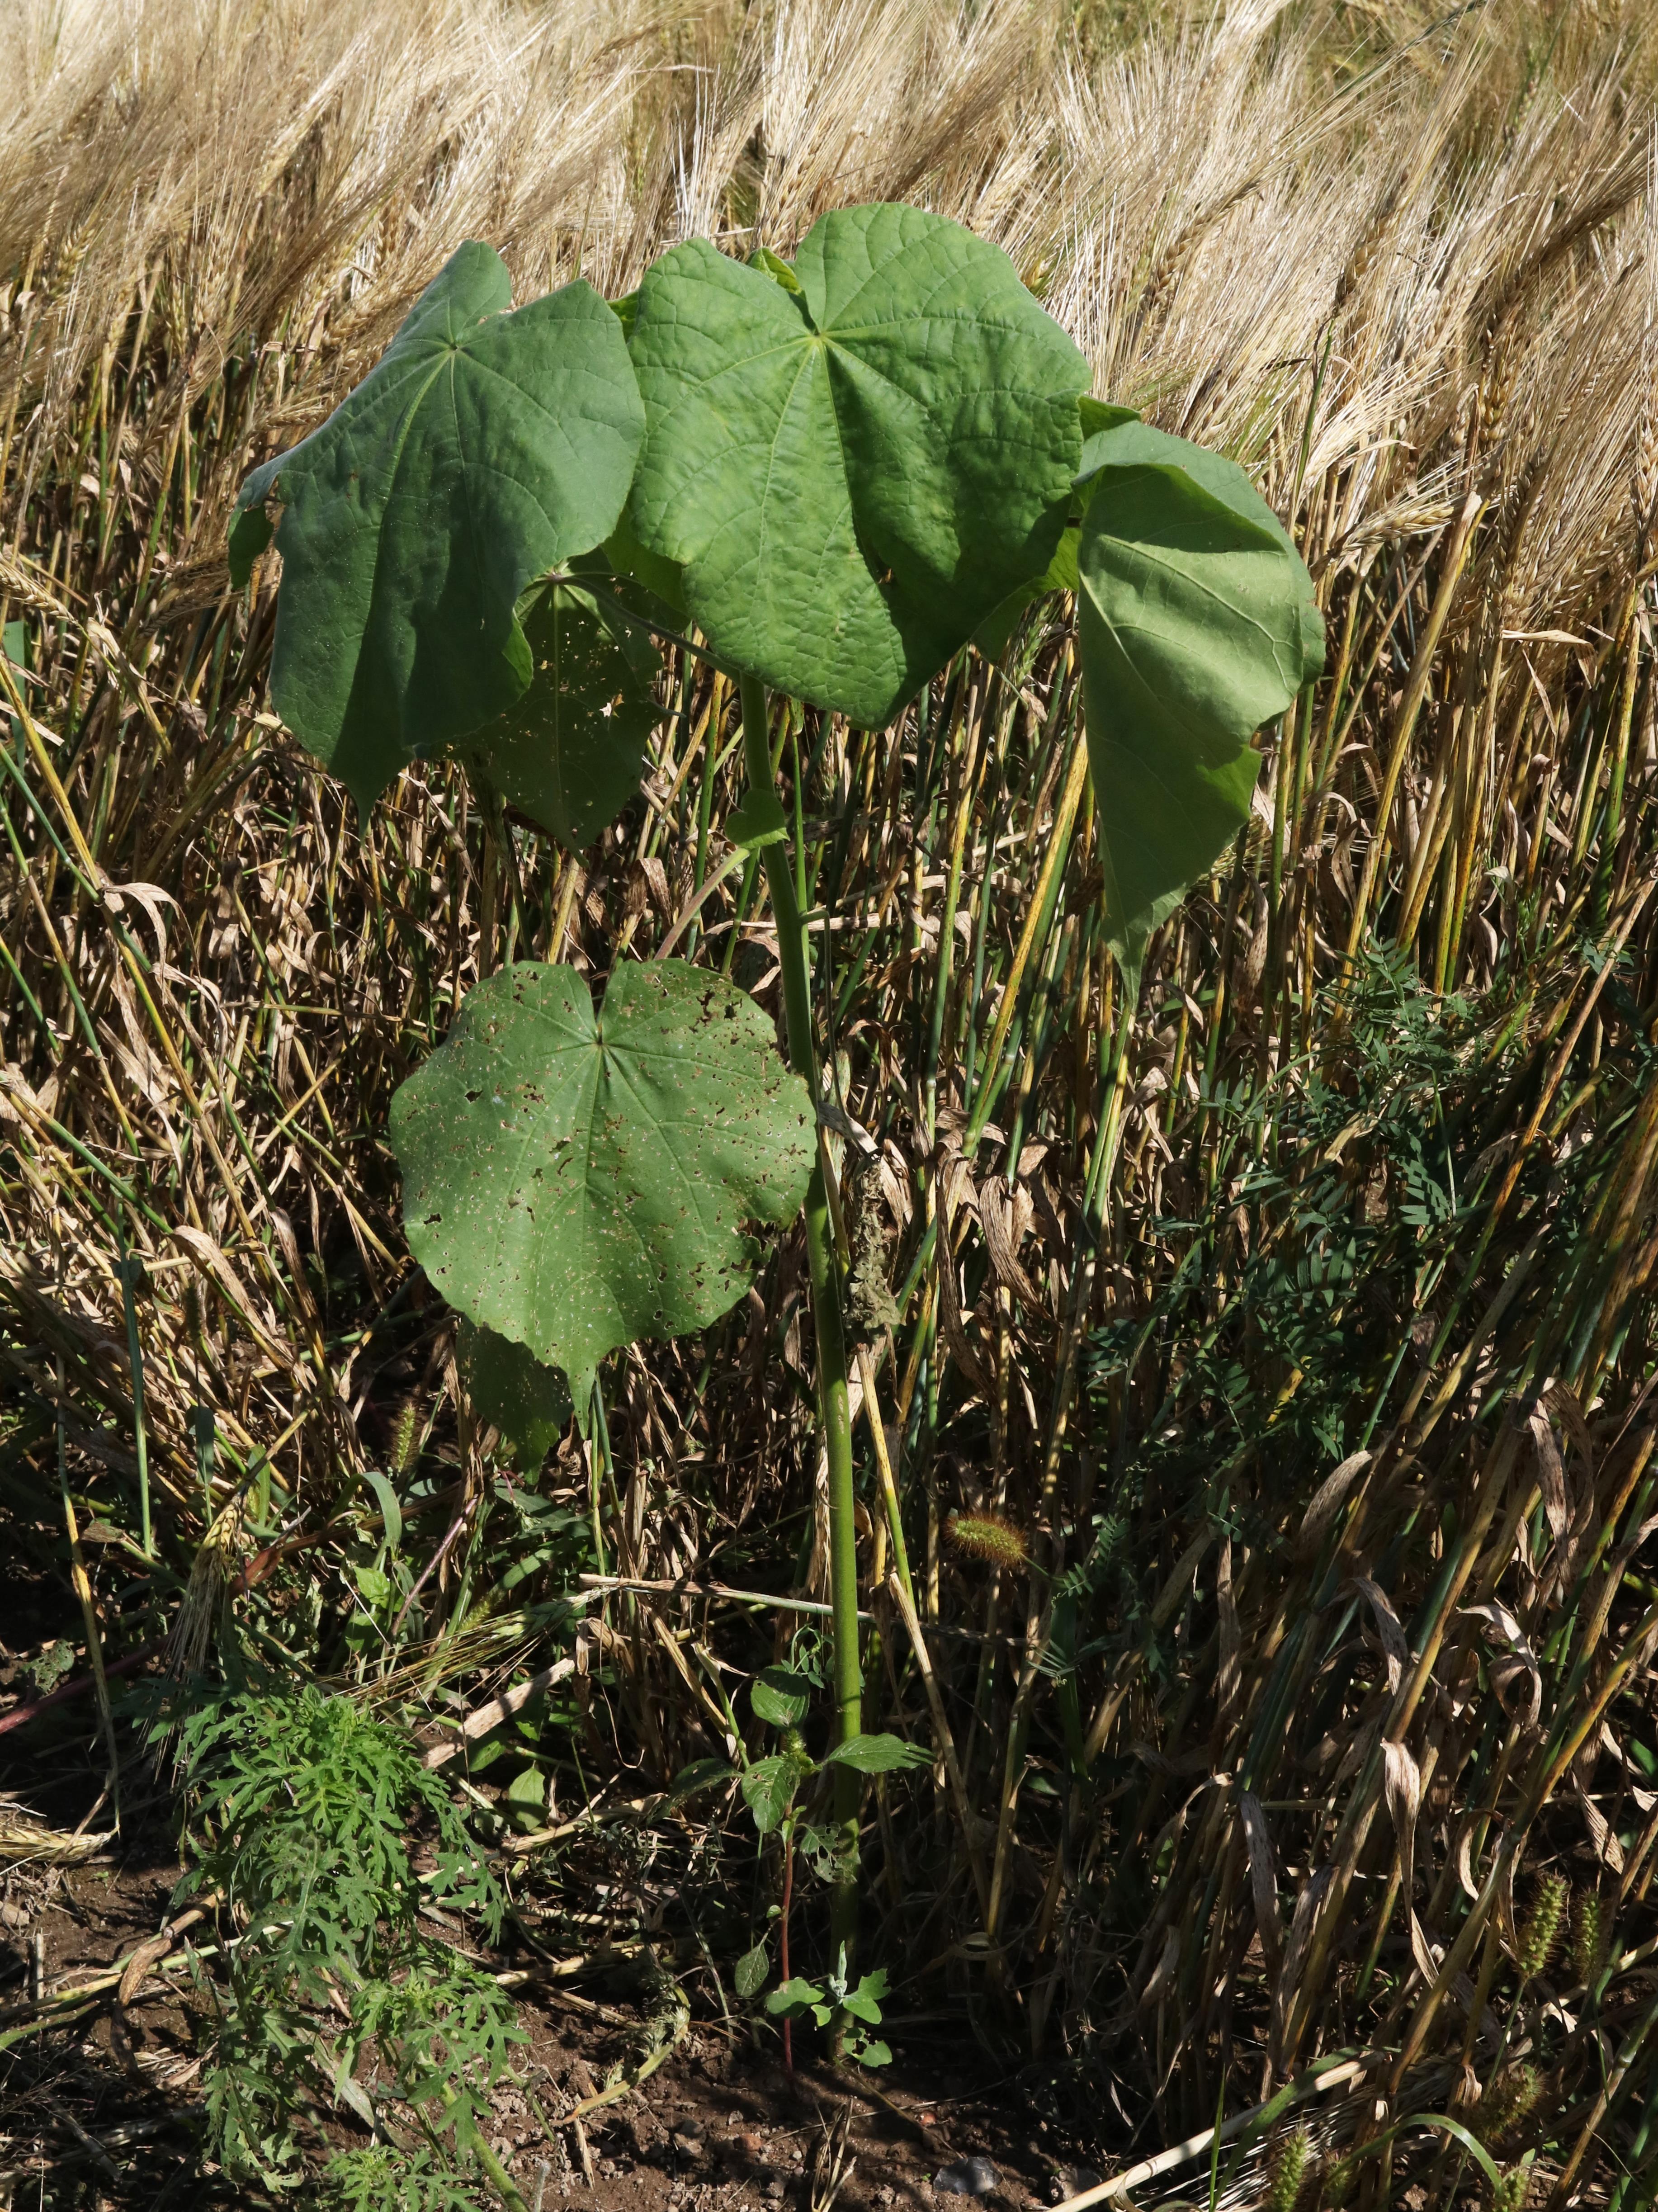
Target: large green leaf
(569, 753)
(995, 634)
(577, 1180)
(483, 450)
(1197, 624)
(853, 463)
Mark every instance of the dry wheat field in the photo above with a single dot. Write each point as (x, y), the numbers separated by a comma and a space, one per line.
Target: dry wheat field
(1266, 1382)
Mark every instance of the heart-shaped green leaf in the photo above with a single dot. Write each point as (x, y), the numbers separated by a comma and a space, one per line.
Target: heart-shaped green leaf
(529, 1403)
(1197, 624)
(569, 753)
(483, 450)
(852, 474)
(577, 1180)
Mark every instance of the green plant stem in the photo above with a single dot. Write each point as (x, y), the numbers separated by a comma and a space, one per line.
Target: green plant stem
(140, 1434)
(833, 1401)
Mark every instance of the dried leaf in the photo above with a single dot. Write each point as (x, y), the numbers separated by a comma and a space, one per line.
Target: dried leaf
(1263, 1883)
(1327, 1501)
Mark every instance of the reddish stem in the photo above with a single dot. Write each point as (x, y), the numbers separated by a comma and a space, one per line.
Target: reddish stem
(788, 1893)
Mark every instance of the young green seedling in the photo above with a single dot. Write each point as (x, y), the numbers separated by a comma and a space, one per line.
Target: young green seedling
(827, 477)
(781, 1698)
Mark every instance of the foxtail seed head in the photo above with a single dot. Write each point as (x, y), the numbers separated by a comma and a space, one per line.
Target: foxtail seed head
(1289, 2171)
(988, 1538)
(1513, 2191)
(1588, 1935)
(406, 1440)
(1504, 2107)
(1543, 1922)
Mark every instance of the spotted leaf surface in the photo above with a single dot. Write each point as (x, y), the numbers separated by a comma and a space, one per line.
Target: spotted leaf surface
(577, 1178)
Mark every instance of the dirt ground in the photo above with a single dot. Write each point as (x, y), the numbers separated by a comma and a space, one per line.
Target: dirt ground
(101, 2111)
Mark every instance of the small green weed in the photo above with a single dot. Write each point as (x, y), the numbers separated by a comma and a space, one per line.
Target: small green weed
(857, 2008)
(305, 1815)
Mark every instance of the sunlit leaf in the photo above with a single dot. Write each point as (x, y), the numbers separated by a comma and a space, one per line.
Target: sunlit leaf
(1197, 624)
(484, 450)
(852, 473)
(750, 1970)
(576, 1180)
(769, 1788)
(878, 1754)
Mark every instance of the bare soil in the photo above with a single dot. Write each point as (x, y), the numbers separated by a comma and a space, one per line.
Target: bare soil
(104, 2112)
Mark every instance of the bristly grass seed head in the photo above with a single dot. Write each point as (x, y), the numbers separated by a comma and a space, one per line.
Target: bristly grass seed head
(1290, 2172)
(1504, 2108)
(405, 1441)
(1513, 2191)
(1588, 1935)
(989, 1538)
(1544, 1922)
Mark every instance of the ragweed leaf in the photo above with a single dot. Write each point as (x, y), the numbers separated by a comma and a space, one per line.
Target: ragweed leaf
(1197, 624)
(853, 474)
(576, 1180)
(483, 450)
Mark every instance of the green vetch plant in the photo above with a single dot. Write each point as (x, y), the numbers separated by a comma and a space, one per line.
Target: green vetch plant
(827, 476)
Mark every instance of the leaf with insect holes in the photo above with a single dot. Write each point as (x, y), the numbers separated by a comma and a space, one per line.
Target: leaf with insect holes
(576, 1178)
(1196, 623)
(484, 449)
(569, 753)
(527, 1401)
(853, 461)
(769, 1788)
(781, 1697)
(878, 1754)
